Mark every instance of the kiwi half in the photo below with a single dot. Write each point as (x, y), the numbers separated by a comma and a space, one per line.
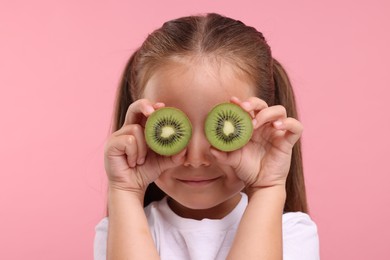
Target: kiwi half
(228, 127)
(168, 131)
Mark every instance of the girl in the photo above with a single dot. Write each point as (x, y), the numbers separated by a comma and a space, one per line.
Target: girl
(203, 203)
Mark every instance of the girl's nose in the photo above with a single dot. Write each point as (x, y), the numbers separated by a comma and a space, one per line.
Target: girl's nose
(198, 150)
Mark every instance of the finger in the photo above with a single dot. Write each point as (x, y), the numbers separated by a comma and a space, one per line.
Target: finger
(167, 162)
(131, 151)
(158, 105)
(231, 159)
(270, 114)
(142, 148)
(127, 130)
(252, 105)
(138, 132)
(293, 129)
(138, 109)
(124, 145)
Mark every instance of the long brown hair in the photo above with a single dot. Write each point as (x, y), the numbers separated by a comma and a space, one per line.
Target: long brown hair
(232, 41)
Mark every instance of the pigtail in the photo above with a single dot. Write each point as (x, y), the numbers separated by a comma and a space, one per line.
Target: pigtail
(284, 94)
(124, 97)
(295, 184)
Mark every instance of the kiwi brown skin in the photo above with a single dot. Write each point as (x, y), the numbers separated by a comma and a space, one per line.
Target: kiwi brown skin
(228, 127)
(168, 131)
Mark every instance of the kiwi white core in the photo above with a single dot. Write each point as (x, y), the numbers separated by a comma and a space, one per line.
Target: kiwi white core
(167, 131)
(228, 128)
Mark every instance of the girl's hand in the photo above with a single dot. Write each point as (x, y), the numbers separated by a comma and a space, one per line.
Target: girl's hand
(128, 164)
(265, 160)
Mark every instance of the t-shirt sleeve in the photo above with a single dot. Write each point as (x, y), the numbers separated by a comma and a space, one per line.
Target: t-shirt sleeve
(100, 241)
(300, 237)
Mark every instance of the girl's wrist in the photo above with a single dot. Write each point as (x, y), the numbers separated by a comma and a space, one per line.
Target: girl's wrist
(276, 192)
(118, 191)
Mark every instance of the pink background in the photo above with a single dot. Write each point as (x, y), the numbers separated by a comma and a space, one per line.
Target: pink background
(60, 63)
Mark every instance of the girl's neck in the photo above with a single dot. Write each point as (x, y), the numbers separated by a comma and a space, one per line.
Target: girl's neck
(217, 212)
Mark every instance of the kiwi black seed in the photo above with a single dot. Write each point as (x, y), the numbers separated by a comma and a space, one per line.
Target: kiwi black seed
(228, 127)
(168, 131)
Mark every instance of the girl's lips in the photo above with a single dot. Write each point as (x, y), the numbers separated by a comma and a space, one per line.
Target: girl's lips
(198, 182)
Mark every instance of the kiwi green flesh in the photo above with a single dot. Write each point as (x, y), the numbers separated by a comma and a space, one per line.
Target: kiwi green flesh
(168, 131)
(228, 127)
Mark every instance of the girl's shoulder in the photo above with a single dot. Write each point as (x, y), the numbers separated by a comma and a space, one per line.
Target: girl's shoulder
(300, 236)
(291, 217)
(298, 222)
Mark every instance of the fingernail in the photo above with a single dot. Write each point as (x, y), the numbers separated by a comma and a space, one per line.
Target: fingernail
(149, 110)
(177, 158)
(158, 105)
(278, 123)
(246, 105)
(235, 99)
(141, 161)
(214, 152)
(254, 122)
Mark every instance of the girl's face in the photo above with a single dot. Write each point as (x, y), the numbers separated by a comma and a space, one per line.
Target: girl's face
(200, 187)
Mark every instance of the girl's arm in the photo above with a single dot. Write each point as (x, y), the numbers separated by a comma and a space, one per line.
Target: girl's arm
(130, 169)
(128, 234)
(263, 165)
(259, 235)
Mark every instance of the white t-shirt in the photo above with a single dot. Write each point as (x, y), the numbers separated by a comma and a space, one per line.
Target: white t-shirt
(210, 239)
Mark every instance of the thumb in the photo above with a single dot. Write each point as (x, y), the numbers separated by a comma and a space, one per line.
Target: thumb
(228, 158)
(166, 163)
